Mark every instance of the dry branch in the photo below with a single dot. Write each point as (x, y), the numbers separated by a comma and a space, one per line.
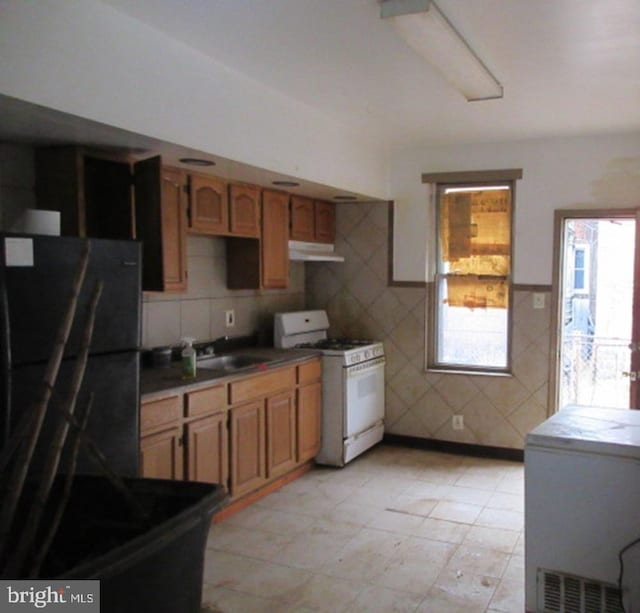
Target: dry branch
(57, 445)
(64, 497)
(18, 475)
(98, 457)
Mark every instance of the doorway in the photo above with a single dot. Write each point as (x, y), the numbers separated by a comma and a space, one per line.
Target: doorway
(595, 308)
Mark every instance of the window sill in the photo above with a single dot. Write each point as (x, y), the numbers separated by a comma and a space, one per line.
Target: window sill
(462, 371)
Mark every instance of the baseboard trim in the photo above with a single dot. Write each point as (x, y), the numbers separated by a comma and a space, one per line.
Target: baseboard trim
(240, 503)
(432, 444)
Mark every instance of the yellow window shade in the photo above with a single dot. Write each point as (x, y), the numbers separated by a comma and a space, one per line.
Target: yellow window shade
(475, 231)
(477, 293)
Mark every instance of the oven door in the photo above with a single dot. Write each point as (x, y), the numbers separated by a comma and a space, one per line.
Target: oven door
(364, 396)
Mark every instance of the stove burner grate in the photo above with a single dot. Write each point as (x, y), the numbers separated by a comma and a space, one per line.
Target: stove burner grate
(336, 344)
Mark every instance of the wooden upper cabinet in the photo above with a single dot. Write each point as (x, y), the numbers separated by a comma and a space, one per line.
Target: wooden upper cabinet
(244, 210)
(275, 239)
(92, 191)
(325, 216)
(312, 220)
(161, 225)
(302, 219)
(208, 205)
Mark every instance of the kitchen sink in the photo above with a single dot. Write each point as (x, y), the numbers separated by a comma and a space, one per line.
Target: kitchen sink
(229, 362)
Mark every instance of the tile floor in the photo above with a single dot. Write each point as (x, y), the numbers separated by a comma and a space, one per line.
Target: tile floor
(397, 530)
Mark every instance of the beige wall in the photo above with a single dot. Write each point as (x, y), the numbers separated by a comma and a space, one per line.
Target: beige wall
(498, 411)
(199, 312)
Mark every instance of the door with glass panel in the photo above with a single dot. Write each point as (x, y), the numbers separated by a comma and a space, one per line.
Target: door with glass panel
(598, 323)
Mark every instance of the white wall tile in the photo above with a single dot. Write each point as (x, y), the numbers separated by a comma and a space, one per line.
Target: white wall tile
(163, 323)
(497, 410)
(195, 319)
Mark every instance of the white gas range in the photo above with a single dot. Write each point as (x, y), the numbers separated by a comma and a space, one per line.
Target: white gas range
(352, 384)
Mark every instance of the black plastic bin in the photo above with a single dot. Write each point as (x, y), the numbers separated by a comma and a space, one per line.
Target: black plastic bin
(158, 569)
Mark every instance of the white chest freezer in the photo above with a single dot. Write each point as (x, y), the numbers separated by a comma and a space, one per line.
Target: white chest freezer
(582, 507)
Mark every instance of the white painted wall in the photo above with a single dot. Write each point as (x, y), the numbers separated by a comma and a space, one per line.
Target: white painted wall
(580, 172)
(87, 59)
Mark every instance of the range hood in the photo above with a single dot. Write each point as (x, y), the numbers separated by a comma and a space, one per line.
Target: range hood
(313, 252)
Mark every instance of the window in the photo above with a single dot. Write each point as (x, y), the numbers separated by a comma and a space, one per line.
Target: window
(580, 260)
(473, 276)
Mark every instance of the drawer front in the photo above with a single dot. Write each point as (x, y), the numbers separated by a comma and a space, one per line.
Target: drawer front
(208, 400)
(309, 372)
(262, 385)
(158, 413)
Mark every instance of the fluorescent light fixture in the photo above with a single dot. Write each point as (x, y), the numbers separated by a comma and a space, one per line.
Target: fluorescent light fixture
(428, 31)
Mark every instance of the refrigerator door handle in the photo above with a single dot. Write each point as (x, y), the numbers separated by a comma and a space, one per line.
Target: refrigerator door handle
(129, 263)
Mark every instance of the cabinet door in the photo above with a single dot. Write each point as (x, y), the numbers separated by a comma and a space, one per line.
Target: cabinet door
(325, 215)
(248, 455)
(244, 210)
(107, 198)
(302, 219)
(58, 186)
(161, 225)
(161, 455)
(174, 230)
(281, 434)
(309, 421)
(275, 239)
(207, 450)
(208, 205)
(92, 191)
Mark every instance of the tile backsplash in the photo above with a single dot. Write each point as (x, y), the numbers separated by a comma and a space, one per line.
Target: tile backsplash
(498, 411)
(200, 311)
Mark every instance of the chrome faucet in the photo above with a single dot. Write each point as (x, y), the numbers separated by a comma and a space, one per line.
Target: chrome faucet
(210, 350)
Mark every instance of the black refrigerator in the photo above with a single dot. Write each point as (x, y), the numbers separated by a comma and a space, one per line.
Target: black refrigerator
(36, 278)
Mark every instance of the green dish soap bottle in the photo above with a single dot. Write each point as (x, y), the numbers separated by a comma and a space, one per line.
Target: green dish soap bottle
(188, 359)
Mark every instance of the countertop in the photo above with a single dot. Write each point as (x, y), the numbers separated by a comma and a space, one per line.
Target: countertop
(590, 429)
(159, 382)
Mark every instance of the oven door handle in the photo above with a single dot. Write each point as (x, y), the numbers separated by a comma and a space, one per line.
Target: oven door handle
(358, 370)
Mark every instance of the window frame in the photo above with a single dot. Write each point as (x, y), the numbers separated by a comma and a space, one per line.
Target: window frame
(471, 180)
(585, 248)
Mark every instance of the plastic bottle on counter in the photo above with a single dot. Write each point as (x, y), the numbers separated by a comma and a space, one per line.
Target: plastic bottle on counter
(188, 359)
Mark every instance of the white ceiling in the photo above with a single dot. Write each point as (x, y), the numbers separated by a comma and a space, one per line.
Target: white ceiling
(567, 66)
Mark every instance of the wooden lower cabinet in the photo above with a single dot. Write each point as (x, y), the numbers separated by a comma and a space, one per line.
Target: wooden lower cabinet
(309, 416)
(161, 455)
(243, 434)
(281, 434)
(208, 449)
(248, 456)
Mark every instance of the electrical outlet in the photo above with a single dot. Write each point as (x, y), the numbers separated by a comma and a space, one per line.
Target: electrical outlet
(230, 318)
(457, 422)
(538, 301)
